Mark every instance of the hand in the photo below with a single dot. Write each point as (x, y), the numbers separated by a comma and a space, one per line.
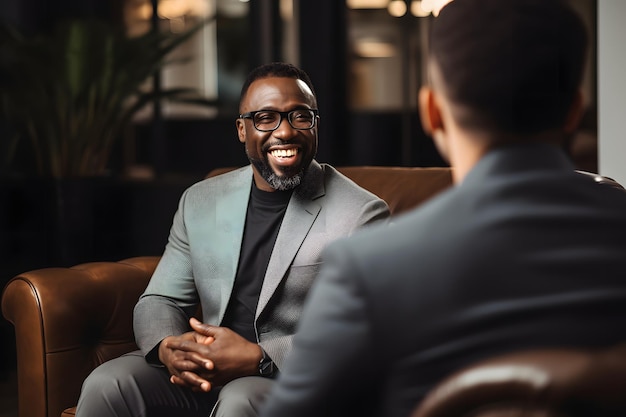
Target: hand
(231, 356)
(190, 361)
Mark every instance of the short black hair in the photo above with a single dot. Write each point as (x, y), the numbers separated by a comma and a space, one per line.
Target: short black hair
(276, 69)
(516, 64)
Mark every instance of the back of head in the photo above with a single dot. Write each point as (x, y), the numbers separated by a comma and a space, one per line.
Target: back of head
(512, 65)
(276, 69)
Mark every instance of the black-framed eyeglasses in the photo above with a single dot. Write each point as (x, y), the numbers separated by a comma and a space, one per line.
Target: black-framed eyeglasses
(269, 120)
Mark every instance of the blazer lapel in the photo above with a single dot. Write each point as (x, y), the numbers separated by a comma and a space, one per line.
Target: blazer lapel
(230, 217)
(299, 218)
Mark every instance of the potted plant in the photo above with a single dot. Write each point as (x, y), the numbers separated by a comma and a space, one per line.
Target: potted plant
(70, 94)
(66, 99)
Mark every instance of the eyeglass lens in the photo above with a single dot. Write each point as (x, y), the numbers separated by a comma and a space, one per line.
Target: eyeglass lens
(270, 120)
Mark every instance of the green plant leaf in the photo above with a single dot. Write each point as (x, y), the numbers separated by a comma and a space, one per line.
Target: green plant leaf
(71, 94)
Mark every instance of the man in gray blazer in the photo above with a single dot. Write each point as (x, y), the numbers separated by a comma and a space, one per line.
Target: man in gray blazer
(244, 247)
(523, 252)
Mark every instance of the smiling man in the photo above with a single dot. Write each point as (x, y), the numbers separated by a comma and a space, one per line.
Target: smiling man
(244, 247)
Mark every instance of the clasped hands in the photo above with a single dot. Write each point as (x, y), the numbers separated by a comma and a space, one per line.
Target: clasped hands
(208, 356)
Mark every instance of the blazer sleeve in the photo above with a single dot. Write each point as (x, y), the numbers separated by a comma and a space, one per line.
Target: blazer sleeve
(166, 305)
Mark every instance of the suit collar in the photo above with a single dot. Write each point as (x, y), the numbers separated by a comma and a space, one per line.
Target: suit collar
(518, 158)
(312, 186)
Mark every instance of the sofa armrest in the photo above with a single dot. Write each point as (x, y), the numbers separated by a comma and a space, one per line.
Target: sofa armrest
(547, 382)
(68, 321)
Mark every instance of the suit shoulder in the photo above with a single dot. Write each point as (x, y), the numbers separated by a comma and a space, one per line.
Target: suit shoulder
(221, 186)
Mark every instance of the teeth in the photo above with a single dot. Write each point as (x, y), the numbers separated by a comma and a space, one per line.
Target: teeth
(284, 153)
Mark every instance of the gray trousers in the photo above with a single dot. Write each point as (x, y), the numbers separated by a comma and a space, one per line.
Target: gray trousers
(129, 387)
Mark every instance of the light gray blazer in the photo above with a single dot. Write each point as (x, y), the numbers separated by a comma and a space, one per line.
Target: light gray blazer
(201, 257)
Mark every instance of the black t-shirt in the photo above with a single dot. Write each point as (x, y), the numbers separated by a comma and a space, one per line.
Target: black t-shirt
(264, 216)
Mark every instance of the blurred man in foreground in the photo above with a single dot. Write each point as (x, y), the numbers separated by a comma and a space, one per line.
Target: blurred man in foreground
(522, 252)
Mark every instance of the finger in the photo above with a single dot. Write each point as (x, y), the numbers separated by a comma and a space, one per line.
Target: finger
(185, 345)
(192, 361)
(180, 382)
(202, 328)
(191, 379)
(176, 380)
(205, 340)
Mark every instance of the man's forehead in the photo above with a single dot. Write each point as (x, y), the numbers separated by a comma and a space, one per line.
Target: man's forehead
(278, 88)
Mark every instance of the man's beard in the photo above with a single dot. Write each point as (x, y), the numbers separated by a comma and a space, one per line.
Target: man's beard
(277, 182)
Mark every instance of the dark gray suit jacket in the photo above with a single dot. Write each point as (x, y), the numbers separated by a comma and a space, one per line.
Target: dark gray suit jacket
(201, 257)
(524, 253)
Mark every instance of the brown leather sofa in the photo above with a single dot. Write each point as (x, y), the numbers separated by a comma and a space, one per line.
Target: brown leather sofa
(69, 320)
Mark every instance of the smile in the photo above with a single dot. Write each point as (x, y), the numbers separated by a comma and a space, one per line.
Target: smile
(284, 153)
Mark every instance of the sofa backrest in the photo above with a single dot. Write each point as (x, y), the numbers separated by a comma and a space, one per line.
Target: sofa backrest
(403, 188)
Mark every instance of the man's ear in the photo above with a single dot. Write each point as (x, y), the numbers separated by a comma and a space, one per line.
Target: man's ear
(241, 130)
(575, 113)
(429, 111)
(432, 122)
